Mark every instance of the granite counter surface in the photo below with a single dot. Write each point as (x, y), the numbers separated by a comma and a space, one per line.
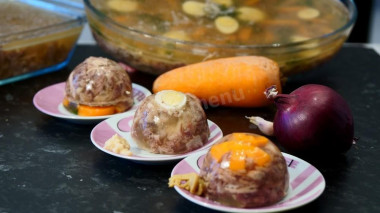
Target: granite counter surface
(50, 165)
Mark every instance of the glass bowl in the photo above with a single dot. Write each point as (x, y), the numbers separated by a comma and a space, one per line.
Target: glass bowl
(156, 52)
(36, 37)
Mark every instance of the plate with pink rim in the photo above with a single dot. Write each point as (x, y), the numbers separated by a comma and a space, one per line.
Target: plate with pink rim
(121, 124)
(306, 184)
(49, 101)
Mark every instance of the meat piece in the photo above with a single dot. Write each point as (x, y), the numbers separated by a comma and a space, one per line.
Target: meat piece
(170, 122)
(245, 170)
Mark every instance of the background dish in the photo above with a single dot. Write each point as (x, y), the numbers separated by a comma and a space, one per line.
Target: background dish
(49, 101)
(39, 35)
(121, 124)
(156, 53)
(306, 184)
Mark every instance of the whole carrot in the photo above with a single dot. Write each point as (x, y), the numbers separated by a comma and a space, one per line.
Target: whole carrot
(236, 81)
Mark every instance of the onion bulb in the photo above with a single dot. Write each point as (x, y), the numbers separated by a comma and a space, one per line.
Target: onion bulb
(313, 118)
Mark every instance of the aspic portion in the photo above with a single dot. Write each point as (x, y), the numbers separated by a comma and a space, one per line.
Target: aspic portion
(241, 170)
(98, 86)
(170, 122)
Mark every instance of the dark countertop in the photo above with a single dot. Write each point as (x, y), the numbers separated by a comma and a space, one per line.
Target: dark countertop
(50, 165)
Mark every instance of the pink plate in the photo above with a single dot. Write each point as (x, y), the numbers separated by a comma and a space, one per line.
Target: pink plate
(306, 184)
(49, 101)
(121, 124)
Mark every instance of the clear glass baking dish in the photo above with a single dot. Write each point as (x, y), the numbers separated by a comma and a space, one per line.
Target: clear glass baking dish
(37, 37)
(155, 41)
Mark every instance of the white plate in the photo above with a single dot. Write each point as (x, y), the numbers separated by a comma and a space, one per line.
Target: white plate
(306, 184)
(121, 124)
(49, 101)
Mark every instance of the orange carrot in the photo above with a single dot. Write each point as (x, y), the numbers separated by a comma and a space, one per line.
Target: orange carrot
(251, 2)
(236, 81)
(199, 32)
(245, 34)
(65, 102)
(84, 110)
(280, 23)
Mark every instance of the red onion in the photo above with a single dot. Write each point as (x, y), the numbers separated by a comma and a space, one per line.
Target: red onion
(312, 118)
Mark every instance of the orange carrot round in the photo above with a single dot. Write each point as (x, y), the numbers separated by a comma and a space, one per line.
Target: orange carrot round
(236, 81)
(84, 110)
(66, 102)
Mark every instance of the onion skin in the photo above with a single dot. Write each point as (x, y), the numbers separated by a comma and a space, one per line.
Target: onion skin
(313, 119)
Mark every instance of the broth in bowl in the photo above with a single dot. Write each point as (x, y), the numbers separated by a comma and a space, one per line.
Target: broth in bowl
(188, 31)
